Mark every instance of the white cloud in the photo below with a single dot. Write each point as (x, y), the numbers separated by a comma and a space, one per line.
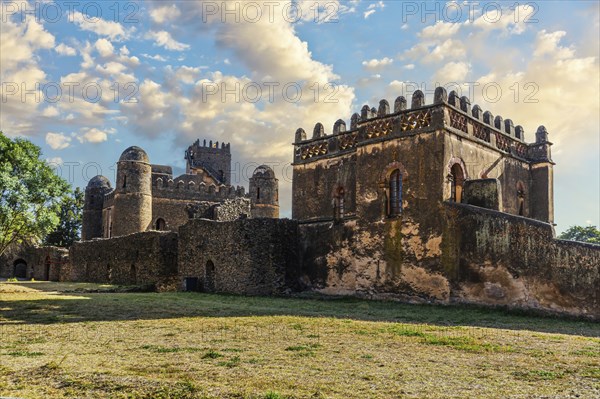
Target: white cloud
(368, 13)
(377, 64)
(156, 57)
(441, 29)
(165, 14)
(164, 39)
(113, 30)
(63, 49)
(104, 47)
(93, 135)
(50, 112)
(452, 72)
(57, 141)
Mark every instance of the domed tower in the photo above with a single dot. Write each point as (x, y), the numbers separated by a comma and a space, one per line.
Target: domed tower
(264, 193)
(95, 191)
(133, 193)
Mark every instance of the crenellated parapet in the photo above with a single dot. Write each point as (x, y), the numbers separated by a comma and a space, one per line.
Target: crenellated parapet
(448, 111)
(185, 187)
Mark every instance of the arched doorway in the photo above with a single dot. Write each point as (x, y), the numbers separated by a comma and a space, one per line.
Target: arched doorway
(209, 277)
(161, 225)
(20, 269)
(457, 177)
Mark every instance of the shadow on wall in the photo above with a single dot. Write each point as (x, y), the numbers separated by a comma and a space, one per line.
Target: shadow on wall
(74, 307)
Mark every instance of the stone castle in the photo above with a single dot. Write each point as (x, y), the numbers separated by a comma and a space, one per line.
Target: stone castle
(439, 202)
(147, 197)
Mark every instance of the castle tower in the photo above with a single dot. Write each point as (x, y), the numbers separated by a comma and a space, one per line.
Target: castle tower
(133, 193)
(212, 158)
(542, 178)
(264, 193)
(95, 191)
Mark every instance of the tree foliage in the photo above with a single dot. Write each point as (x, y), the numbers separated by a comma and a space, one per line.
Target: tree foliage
(30, 193)
(69, 226)
(584, 234)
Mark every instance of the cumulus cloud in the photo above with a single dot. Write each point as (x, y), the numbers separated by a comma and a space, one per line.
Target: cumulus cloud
(111, 29)
(452, 72)
(57, 141)
(377, 64)
(164, 39)
(440, 29)
(63, 49)
(165, 14)
(93, 135)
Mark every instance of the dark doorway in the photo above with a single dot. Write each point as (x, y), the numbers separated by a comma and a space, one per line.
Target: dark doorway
(47, 269)
(20, 268)
(161, 225)
(191, 284)
(209, 277)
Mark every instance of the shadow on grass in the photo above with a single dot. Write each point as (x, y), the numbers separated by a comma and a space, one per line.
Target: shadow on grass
(77, 304)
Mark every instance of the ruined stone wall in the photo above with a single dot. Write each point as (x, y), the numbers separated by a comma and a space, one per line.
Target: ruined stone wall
(315, 185)
(42, 263)
(142, 258)
(471, 255)
(497, 259)
(172, 211)
(250, 256)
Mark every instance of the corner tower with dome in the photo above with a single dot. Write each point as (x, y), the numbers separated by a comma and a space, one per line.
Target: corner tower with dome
(148, 197)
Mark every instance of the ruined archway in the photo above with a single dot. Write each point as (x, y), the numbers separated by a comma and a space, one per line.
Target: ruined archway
(20, 269)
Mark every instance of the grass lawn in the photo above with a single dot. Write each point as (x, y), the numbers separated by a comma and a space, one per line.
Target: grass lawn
(76, 341)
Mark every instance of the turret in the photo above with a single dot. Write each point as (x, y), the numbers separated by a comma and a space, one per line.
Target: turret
(95, 191)
(264, 193)
(133, 193)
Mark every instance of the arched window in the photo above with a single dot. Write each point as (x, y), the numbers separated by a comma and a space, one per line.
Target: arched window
(521, 198)
(457, 178)
(124, 181)
(395, 194)
(161, 225)
(257, 193)
(338, 204)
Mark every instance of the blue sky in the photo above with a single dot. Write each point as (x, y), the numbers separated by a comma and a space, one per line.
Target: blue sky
(170, 61)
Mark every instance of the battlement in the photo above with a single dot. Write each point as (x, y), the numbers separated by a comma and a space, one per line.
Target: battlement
(213, 158)
(449, 112)
(183, 187)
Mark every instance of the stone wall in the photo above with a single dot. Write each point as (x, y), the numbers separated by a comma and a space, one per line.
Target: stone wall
(462, 254)
(142, 258)
(249, 256)
(497, 259)
(39, 263)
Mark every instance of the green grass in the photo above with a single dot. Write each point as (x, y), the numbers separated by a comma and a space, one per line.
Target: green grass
(70, 340)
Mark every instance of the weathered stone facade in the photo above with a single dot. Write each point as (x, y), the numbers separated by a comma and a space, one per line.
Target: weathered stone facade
(143, 258)
(252, 256)
(373, 205)
(32, 262)
(441, 203)
(147, 197)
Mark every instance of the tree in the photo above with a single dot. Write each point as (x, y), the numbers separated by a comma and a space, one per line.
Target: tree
(30, 193)
(584, 234)
(69, 226)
